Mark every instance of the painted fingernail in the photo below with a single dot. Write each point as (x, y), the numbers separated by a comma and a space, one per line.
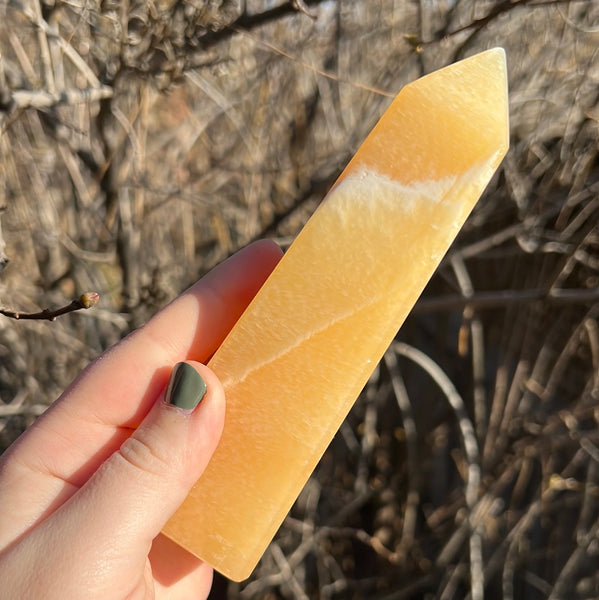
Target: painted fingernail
(186, 388)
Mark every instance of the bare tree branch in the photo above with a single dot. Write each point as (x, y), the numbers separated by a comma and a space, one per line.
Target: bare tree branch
(85, 301)
(21, 99)
(502, 298)
(3, 257)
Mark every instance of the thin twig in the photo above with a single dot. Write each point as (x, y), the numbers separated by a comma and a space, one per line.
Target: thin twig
(472, 456)
(501, 298)
(8, 410)
(287, 571)
(408, 531)
(43, 99)
(306, 65)
(508, 554)
(301, 6)
(472, 328)
(42, 35)
(3, 256)
(68, 50)
(84, 301)
(369, 437)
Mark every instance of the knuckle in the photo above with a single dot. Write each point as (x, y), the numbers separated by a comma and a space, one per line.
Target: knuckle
(142, 455)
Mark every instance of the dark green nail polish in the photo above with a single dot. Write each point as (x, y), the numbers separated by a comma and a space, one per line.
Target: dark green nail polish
(186, 388)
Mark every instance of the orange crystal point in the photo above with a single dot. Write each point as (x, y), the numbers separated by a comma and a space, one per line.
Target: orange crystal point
(299, 356)
(442, 124)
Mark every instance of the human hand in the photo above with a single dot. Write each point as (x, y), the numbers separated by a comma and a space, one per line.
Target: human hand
(85, 492)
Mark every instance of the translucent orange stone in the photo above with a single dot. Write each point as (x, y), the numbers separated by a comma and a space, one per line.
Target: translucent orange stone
(301, 353)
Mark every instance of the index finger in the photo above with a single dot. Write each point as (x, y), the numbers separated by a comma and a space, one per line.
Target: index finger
(111, 397)
(191, 327)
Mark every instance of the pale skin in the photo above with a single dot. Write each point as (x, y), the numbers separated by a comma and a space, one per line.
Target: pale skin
(85, 492)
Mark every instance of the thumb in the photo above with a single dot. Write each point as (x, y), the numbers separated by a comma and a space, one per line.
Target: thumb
(125, 504)
(150, 475)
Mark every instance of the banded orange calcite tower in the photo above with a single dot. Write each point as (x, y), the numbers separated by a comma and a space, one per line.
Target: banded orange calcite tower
(299, 356)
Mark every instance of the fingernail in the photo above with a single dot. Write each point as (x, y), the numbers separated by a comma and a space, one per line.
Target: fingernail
(186, 388)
